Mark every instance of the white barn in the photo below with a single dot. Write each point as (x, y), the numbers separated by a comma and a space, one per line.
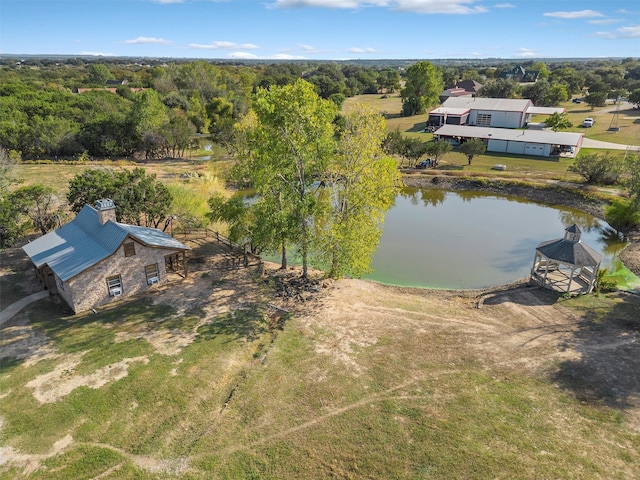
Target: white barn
(540, 143)
(487, 112)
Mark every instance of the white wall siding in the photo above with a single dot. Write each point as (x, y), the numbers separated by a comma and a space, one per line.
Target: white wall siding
(497, 146)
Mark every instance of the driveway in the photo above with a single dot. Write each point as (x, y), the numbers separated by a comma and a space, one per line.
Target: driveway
(589, 143)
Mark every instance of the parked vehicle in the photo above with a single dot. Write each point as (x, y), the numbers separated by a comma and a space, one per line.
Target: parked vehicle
(588, 122)
(425, 163)
(576, 100)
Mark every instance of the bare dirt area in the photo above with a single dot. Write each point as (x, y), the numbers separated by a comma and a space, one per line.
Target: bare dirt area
(524, 329)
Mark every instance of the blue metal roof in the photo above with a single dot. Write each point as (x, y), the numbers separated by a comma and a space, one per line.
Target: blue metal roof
(83, 242)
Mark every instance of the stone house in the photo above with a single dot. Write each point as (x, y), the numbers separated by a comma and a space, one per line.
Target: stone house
(94, 260)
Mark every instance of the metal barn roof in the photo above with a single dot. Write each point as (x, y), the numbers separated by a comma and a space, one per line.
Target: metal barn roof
(496, 104)
(514, 135)
(83, 242)
(545, 110)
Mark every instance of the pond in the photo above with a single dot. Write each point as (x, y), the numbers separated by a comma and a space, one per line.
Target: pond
(470, 240)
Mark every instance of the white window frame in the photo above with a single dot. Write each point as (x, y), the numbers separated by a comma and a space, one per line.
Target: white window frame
(152, 273)
(483, 120)
(114, 285)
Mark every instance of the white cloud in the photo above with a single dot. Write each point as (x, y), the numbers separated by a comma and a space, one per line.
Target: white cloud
(286, 56)
(622, 32)
(419, 6)
(606, 21)
(308, 48)
(574, 14)
(504, 5)
(363, 50)
(243, 55)
(224, 46)
(97, 54)
(155, 41)
(527, 53)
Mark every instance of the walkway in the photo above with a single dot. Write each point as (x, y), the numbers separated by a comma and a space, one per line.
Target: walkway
(589, 143)
(15, 307)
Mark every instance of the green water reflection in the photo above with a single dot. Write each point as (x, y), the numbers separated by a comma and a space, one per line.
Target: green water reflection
(458, 240)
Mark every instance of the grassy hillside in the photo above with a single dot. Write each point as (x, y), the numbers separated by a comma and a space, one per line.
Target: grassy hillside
(206, 379)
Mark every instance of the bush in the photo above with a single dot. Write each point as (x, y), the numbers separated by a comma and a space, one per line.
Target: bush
(598, 169)
(604, 283)
(622, 214)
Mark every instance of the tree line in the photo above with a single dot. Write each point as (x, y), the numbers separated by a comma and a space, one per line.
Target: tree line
(322, 187)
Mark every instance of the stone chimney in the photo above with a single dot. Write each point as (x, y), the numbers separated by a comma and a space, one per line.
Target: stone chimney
(106, 210)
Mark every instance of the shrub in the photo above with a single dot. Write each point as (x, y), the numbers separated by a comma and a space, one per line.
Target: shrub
(622, 214)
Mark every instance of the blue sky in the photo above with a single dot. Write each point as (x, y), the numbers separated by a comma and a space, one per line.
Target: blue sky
(322, 29)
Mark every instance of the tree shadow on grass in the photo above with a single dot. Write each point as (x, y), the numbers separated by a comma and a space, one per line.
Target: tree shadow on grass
(249, 324)
(49, 321)
(608, 370)
(417, 127)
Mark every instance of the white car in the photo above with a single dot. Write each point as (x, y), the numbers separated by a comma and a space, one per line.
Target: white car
(588, 122)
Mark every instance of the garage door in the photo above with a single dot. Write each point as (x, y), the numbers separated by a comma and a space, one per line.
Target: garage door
(534, 149)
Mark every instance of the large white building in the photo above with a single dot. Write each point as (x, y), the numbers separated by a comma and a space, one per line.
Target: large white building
(500, 123)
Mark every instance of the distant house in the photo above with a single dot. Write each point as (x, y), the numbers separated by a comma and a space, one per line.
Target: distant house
(519, 74)
(94, 260)
(463, 88)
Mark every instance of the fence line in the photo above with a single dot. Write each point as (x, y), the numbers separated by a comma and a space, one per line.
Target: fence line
(206, 234)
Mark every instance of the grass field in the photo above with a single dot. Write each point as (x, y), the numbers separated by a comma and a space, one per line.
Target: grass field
(217, 377)
(365, 382)
(537, 167)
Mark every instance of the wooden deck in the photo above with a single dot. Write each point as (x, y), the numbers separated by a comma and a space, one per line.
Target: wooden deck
(561, 281)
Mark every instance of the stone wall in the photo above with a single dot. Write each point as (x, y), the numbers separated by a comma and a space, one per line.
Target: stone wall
(89, 289)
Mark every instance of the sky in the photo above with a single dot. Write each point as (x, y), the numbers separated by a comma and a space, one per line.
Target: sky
(322, 29)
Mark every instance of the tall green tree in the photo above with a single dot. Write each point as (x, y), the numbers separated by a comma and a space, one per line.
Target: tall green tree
(423, 86)
(634, 98)
(39, 204)
(99, 74)
(596, 99)
(472, 148)
(438, 149)
(500, 88)
(361, 185)
(558, 121)
(288, 148)
(147, 117)
(140, 198)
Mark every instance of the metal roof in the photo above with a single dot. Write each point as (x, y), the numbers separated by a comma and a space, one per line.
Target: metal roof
(449, 111)
(496, 104)
(545, 110)
(84, 241)
(510, 134)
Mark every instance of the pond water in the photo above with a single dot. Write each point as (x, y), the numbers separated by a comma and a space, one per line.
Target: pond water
(468, 240)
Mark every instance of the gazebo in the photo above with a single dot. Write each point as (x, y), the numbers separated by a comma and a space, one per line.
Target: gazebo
(566, 264)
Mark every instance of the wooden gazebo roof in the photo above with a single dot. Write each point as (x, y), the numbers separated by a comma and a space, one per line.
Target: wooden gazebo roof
(570, 249)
